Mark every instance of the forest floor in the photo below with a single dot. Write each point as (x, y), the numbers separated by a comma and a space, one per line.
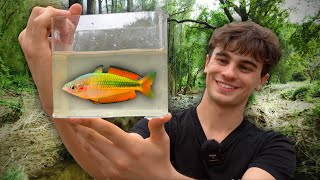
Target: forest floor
(32, 142)
(273, 112)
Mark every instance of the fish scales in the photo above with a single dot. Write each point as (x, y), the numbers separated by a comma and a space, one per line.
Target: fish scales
(110, 81)
(116, 85)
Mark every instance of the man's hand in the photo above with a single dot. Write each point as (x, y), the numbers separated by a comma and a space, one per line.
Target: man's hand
(35, 43)
(121, 155)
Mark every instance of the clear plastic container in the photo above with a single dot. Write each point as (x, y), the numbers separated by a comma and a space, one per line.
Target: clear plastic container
(136, 42)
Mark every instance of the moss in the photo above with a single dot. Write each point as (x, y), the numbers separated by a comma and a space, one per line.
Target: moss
(15, 173)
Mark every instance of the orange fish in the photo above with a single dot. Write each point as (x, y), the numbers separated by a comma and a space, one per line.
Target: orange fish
(114, 86)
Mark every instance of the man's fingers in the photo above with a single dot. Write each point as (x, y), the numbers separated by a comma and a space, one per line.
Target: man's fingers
(75, 9)
(112, 132)
(89, 139)
(94, 141)
(156, 127)
(40, 21)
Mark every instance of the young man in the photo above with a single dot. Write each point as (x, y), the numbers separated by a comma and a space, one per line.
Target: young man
(210, 141)
(213, 140)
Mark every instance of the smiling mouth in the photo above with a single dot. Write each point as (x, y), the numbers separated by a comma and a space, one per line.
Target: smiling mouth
(226, 86)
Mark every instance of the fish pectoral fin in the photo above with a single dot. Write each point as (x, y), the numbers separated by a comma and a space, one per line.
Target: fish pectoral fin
(123, 96)
(123, 72)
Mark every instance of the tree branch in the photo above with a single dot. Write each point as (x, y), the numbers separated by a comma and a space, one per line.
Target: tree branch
(182, 11)
(226, 11)
(207, 25)
(3, 5)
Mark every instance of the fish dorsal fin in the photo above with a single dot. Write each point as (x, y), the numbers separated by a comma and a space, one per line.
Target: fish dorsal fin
(123, 72)
(98, 69)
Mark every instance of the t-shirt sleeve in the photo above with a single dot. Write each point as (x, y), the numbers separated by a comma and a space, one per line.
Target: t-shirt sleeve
(276, 156)
(141, 127)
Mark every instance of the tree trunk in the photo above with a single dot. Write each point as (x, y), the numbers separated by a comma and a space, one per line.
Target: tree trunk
(172, 60)
(195, 77)
(91, 6)
(114, 6)
(74, 1)
(143, 5)
(171, 73)
(100, 6)
(107, 9)
(129, 5)
(187, 88)
(242, 11)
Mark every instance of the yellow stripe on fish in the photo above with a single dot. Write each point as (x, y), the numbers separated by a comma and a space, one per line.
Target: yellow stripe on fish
(115, 86)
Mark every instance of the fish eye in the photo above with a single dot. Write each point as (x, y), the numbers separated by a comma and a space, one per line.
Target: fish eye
(73, 87)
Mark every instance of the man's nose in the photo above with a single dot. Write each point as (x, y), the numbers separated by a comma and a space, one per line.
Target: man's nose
(229, 72)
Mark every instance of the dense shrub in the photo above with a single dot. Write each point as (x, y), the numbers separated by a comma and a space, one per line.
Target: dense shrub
(300, 93)
(298, 76)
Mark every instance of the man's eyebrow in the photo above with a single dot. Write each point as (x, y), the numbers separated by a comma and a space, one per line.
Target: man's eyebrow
(223, 53)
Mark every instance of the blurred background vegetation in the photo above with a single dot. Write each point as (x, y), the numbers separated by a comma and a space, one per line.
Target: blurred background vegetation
(190, 25)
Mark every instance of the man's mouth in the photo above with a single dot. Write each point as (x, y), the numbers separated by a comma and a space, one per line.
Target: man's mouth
(227, 86)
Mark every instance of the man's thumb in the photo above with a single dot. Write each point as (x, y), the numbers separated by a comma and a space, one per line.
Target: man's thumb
(76, 9)
(156, 127)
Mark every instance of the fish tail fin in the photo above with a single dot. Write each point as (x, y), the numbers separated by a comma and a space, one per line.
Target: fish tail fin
(146, 83)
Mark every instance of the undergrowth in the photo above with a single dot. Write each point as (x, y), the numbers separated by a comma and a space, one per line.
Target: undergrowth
(308, 92)
(307, 145)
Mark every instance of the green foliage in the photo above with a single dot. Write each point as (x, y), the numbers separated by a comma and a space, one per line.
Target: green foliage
(308, 147)
(314, 117)
(305, 40)
(13, 110)
(305, 138)
(13, 19)
(15, 173)
(300, 93)
(12, 103)
(309, 92)
(290, 131)
(298, 76)
(5, 77)
(315, 90)
(252, 100)
(287, 94)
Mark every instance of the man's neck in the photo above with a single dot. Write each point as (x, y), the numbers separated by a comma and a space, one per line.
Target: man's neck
(218, 121)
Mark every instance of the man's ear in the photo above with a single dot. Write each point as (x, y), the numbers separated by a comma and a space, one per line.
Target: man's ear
(262, 81)
(207, 62)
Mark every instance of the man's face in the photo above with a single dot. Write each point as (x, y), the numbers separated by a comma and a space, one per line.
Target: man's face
(231, 77)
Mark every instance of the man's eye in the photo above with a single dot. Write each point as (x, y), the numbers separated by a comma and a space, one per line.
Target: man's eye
(245, 69)
(221, 61)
